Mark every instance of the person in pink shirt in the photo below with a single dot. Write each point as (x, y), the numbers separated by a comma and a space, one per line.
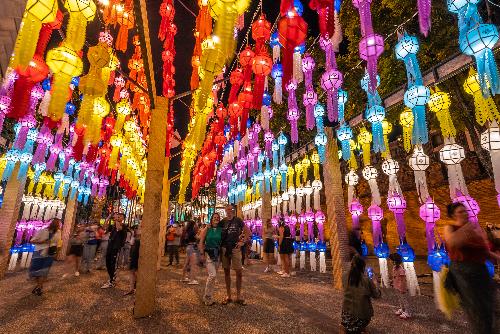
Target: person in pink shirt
(399, 284)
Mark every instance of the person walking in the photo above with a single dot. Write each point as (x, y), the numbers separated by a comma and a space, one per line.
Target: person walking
(268, 234)
(359, 289)
(103, 248)
(234, 235)
(45, 242)
(75, 252)
(192, 254)
(466, 243)
(116, 241)
(134, 259)
(399, 284)
(89, 248)
(173, 242)
(285, 243)
(210, 241)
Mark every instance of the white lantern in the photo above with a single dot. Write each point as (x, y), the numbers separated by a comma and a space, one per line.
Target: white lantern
(452, 154)
(419, 161)
(390, 167)
(317, 185)
(352, 178)
(285, 196)
(370, 173)
(490, 139)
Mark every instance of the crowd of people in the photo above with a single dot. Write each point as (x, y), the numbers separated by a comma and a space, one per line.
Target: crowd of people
(224, 242)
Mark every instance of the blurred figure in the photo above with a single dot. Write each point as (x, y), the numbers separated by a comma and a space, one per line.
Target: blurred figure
(103, 248)
(210, 241)
(116, 241)
(268, 234)
(75, 251)
(45, 242)
(134, 259)
(89, 248)
(173, 242)
(192, 254)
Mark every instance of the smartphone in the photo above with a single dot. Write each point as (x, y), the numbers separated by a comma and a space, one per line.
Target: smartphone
(369, 272)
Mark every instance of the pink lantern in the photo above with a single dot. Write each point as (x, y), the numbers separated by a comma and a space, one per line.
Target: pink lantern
(397, 204)
(320, 220)
(44, 140)
(293, 110)
(310, 98)
(356, 209)
(376, 215)
(309, 216)
(430, 213)
(331, 81)
(4, 109)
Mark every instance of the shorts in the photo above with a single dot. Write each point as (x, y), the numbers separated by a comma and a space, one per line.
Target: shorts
(76, 250)
(269, 246)
(286, 246)
(233, 261)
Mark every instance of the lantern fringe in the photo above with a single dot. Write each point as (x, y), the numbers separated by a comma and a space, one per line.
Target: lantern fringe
(384, 272)
(456, 180)
(322, 262)
(302, 261)
(424, 16)
(294, 259)
(436, 283)
(298, 75)
(421, 184)
(487, 72)
(374, 191)
(411, 279)
(278, 90)
(312, 260)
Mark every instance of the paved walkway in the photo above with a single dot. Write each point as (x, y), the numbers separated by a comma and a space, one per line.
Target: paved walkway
(306, 303)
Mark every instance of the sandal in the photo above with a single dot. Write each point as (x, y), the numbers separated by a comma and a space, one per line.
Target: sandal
(227, 301)
(241, 302)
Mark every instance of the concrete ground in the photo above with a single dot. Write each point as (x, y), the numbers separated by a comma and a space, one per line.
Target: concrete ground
(306, 303)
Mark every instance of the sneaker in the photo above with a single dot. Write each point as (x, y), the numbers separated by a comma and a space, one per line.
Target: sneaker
(285, 275)
(405, 315)
(267, 270)
(108, 285)
(398, 312)
(193, 282)
(77, 274)
(65, 275)
(281, 272)
(184, 280)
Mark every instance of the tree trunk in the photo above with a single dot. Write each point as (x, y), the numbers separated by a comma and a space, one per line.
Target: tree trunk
(332, 181)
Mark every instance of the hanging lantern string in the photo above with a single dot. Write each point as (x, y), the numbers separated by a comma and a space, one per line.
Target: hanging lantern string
(187, 8)
(493, 3)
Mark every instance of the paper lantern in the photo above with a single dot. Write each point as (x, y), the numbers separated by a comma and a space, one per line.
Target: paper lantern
(344, 134)
(331, 81)
(293, 32)
(440, 103)
(486, 109)
(390, 167)
(352, 178)
(452, 154)
(65, 63)
(430, 213)
(369, 173)
(406, 120)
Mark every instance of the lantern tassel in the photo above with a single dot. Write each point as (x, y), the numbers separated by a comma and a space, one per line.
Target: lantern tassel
(384, 272)
(424, 16)
(411, 279)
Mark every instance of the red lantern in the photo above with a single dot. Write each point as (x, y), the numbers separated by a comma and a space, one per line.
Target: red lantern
(326, 14)
(236, 79)
(246, 57)
(261, 32)
(293, 32)
(262, 65)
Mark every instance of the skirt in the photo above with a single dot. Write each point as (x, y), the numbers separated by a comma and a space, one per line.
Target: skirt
(76, 250)
(269, 246)
(353, 324)
(40, 265)
(286, 246)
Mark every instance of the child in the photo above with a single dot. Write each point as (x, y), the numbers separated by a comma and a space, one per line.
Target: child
(399, 284)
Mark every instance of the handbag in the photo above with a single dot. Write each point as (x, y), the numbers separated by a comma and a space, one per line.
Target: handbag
(447, 297)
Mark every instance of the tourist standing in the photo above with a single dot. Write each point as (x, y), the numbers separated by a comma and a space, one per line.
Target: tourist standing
(192, 254)
(285, 243)
(466, 243)
(116, 241)
(173, 242)
(89, 248)
(359, 289)
(45, 242)
(124, 257)
(75, 251)
(134, 259)
(268, 234)
(234, 235)
(210, 241)
(103, 248)
(399, 284)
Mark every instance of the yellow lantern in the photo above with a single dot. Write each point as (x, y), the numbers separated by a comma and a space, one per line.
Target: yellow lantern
(353, 163)
(305, 166)
(406, 121)
(36, 13)
(123, 109)
(315, 161)
(100, 110)
(386, 129)
(486, 109)
(364, 141)
(65, 63)
(116, 142)
(440, 103)
(80, 13)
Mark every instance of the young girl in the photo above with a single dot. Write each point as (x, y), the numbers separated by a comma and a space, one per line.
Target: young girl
(399, 284)
(268, 235)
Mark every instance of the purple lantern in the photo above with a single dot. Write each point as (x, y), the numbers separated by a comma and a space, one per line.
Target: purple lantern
(320, 220)
(331, 81)
(309, 217)
(430, 213)
(397, 204)
(356, 209)
(293, 110)
(376, 215)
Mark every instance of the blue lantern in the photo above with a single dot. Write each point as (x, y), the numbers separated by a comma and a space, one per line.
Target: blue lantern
(382, 250)
(342, 98)
(437, 258)
(490, 267)
(406, 252)
(303, 246)
(364, 249)
(344, 134)
(70, 109)
(311, 246)
(295, 246)
(321, 246)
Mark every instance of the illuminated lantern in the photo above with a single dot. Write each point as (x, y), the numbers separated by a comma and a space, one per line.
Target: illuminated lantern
(452, 154)
(292, 32)
(261, 67)
(397, 204)
(116, 142)
(277, 74)
(123, 109)
(331, 81)
(24, 125)
(119, 84)
(390, 167)
(486, 109)
(321, 140)
(236, 79)
(261, 32)
(126, 21)
(356, 210)
(44, 140)
(440, 103)
(37, 12)
(274, 43)
(342, 100)
(430, 213)
(406, 121)
(293, 114)
(65, 63)
(11, 158)
(490, 141)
